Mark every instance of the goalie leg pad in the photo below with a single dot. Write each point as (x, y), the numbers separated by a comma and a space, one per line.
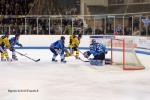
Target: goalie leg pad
(100, 56)
(108, 61)
(97, 62)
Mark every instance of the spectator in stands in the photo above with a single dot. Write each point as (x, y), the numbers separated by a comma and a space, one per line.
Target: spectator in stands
(118, 30)
(15, 7)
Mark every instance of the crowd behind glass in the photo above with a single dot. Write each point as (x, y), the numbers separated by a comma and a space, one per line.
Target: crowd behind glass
(74, 25)
(88, 25)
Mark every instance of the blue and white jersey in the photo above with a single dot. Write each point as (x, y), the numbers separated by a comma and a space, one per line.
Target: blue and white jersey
(13, 41)
(97, 48)
(59, 45)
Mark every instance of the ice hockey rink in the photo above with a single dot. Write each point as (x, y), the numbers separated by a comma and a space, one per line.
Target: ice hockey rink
(75, 80)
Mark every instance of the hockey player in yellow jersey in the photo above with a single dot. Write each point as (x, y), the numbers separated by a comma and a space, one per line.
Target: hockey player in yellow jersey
(4, 42)
(74, 45)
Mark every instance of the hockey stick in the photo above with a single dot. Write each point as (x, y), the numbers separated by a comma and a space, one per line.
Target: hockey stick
(83, 60)
(78, 57)
(107, 61)
(35, 60)
(83, 55)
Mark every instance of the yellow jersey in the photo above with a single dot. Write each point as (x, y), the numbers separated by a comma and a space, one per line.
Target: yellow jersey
(75, 42)
(5, 41)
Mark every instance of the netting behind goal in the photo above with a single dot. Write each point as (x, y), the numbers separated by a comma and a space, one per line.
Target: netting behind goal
(122, 53)
(126, 54)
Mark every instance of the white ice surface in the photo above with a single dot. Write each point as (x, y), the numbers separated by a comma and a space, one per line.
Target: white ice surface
(75, 80)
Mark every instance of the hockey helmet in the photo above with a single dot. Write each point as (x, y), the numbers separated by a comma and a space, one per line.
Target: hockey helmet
(62, 38)
(6, 34)
(80, 35)
(17, 35)
(93, 41)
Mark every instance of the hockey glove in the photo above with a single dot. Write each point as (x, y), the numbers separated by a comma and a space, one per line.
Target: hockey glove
(86, 54)
(12, 49)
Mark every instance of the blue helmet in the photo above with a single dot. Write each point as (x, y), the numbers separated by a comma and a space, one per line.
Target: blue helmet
(17, 35)
(93, 41)
(62, 38)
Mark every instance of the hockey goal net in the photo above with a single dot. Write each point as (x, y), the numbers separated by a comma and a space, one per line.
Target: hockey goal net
(122, 53)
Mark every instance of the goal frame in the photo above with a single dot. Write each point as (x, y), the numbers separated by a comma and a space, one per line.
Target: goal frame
(125, 67)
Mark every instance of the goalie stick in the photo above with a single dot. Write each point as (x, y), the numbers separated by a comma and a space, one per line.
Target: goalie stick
(107, 60)
(83, 60)
(83, 55)
(35, 60)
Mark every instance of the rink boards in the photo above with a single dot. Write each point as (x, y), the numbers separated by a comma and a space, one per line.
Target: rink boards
(44, 41)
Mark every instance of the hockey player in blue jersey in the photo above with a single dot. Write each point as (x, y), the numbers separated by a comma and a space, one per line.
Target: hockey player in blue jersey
(98, 50)
(13, 42)
(58, 48)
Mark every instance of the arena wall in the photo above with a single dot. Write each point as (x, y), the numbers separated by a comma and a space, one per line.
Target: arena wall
(46, 40)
